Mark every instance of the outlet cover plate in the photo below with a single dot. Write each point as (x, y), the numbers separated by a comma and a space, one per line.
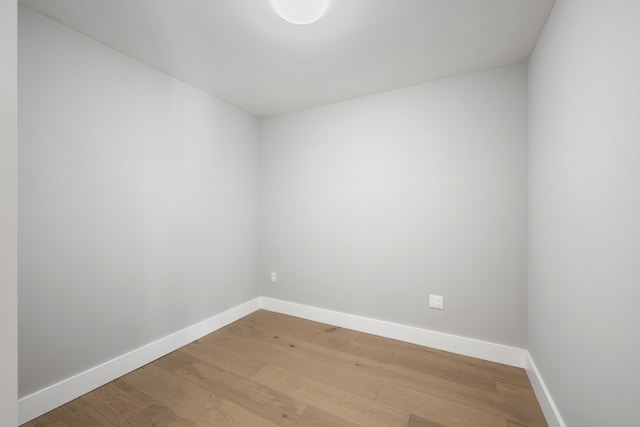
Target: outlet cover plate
(436, 301)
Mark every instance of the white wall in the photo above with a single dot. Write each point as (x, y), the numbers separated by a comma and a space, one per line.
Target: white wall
(138, 204)
(584, 114)
(8, 215)
(371, 204)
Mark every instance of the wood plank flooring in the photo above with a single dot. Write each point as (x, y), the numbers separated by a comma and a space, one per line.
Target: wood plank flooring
(269, 369)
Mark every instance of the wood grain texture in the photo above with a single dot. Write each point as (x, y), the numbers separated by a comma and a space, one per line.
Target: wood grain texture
(269, 369)
(420, 422)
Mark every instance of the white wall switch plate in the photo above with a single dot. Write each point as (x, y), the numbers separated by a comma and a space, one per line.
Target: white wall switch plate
(436, 301)
(274, 277)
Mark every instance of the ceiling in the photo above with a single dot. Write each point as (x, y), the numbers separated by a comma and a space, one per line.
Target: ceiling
(242, 52)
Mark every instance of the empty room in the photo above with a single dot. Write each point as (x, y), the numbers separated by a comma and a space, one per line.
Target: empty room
(412, 213)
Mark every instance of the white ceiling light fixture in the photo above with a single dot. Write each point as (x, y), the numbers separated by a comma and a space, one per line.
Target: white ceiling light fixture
(300, 12)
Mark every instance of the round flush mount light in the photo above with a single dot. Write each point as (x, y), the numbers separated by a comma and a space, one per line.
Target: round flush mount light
(300, 12)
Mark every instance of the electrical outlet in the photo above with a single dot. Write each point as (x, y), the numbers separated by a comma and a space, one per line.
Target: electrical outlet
(274, 277)
(436, 301)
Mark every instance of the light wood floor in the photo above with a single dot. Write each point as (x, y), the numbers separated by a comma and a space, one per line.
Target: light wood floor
(269, 369)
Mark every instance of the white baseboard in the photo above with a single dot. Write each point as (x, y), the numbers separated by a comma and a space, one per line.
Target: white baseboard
(42, 401)
(499, 353)
(549, 408)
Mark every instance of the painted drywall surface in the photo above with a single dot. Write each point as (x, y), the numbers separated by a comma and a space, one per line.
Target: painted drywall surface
(8, 215)
(138, 204)
(371, 204)
(584, 210)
